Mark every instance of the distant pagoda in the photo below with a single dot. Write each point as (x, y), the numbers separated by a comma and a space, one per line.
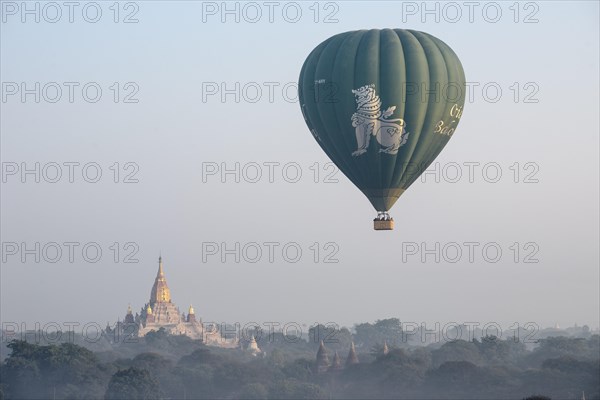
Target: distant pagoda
(352, 357)
(252, 347)
(323, 365)
(322, 359)
(386, 349)
(336, 364)
(161, 313)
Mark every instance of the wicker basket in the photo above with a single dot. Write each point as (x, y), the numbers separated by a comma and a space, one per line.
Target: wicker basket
(383, 225)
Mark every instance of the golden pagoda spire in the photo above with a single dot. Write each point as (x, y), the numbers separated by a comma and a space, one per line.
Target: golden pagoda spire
(160, 267)
(160, 291)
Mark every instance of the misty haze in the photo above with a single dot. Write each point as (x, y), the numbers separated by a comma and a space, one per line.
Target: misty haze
(300, 200)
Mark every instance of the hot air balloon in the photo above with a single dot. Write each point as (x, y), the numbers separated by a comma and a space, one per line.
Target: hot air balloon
(382, 104)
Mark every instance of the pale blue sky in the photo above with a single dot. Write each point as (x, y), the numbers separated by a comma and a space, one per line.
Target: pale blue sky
(170, 132)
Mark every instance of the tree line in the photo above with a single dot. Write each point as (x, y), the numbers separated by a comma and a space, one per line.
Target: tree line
(162, 366)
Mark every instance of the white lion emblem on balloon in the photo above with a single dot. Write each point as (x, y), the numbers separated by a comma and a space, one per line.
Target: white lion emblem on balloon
(370, 120)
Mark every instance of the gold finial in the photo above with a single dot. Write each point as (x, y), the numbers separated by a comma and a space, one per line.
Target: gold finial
(129, 309)
(148, 309)
(160, 267)
(191, 310)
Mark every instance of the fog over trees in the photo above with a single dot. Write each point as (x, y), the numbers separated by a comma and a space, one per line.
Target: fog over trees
(162, 366)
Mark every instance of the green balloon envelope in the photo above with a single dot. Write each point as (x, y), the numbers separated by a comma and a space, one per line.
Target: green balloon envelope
(382, 104)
